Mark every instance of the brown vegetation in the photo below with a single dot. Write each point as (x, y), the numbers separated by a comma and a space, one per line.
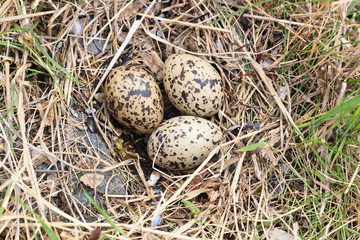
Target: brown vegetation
(285, 66)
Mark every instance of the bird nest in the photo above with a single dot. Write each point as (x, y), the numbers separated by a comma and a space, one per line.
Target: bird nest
(286, 167)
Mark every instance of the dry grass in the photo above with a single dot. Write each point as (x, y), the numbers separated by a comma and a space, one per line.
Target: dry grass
(292, 76)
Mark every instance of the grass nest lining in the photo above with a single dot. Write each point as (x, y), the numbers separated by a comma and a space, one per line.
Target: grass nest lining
(287, 167)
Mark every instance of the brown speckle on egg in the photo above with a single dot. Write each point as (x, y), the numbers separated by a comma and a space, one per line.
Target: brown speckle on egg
(134, 99)
(183, 142)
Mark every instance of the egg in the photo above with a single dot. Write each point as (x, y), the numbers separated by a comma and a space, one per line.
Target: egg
(183, 142)
(194, 87)
(134, 99)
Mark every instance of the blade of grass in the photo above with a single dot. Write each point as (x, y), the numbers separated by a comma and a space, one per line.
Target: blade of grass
(38, 44)
(343, 108)
(52, 235)
(251, 147)
(193, 209)
(6, 198)
(352, 5)
(237, 12)
(42, 63)
(106, 216)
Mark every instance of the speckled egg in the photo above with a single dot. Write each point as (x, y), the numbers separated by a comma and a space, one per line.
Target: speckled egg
(183, 142)
(134, 99)
(194, 87)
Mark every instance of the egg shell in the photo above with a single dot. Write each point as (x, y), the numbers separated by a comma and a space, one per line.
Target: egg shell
(183, 142)
(194, 87)
(134, 99)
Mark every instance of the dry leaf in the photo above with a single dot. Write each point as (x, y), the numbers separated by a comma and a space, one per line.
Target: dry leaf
(42, 107)
(37, 158)
(154, 62)
(210, 187)
(266, 62)
(322, 149)
(268, 154)
(282, 92)
(277, 234)
(100, 97)
(213, 195)
(92, 179)
(65, 235)
(131, 10)
(95, 234)
(272, 137)
(50, 116)
(70, 130)
(53, 181)
(196, 193)
(212, 182)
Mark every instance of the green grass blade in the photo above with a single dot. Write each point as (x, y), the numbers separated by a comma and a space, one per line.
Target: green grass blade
(191, 207)
(237, 12)
(37, 43)
(7, 196)
(106, 216)
(52, 235)
(352, 5)
(354, 120)
(252, 147)
(344, 108)
(42, 63)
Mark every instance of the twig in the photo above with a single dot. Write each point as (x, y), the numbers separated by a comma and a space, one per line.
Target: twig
(196, 25)
(15, 18)
(278, 20)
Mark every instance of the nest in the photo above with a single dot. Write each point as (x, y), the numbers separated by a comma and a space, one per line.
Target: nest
(287, 166)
